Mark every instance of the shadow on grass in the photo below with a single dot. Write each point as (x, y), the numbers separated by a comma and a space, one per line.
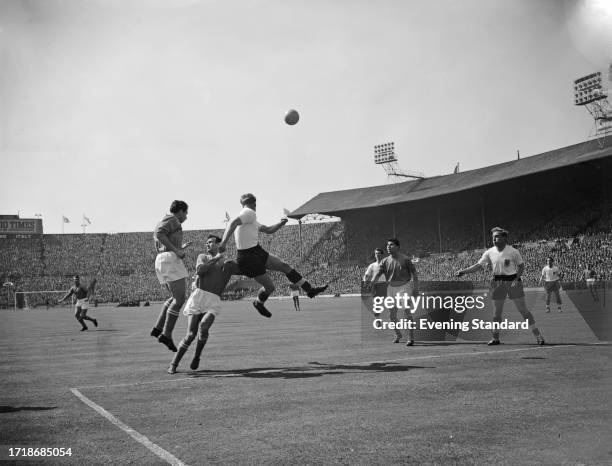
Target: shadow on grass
(13, 409)
(314, 369)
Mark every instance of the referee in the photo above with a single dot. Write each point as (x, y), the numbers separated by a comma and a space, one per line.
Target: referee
(508, 266)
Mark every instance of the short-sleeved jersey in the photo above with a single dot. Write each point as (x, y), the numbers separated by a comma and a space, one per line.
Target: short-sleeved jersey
(217, 276)
(398, 270)
(169, 227)
(79, 291)
(551, 274)
(589, 273)
(504, 262)
(371, 272)
(247, 234)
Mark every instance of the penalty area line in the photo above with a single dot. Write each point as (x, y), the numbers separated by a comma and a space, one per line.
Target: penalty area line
(156, 449)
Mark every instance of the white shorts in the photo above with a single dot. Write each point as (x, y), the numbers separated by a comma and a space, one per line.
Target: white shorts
(82, 303)
(169, 268)
(590, 281)
(295, 293)
(400, 291)
(201, 302)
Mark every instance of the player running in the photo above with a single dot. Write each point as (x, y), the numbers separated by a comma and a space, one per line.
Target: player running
(399, 270)
(253, 260)
(170, 270)
(508, 266)
(81, 294)
(204, 304)
(552, 277)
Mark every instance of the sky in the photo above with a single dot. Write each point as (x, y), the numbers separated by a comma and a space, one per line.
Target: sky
(115, 108)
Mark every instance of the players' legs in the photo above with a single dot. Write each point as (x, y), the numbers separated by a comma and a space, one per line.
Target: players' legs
(204, 327)
(267, 288)
(296, 303)
(521, 305)
(84, 316)
(77, 316)
(193, 324)
(393, 318)
(275, 263)
(499, 307)
(177, 288)
(161, 319)
(408, 315)
(548, 294)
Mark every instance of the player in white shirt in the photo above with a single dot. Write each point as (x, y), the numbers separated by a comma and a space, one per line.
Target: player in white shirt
(507, 266)
(253, 260)
(377, 288)
(551, 276)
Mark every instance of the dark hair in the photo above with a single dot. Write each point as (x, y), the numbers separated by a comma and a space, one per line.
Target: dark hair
(499, 230)
(177, 206)
(247, 198)
(76, 276)
(550, 257)
(216, 238)
(394, 241)
(379, 250)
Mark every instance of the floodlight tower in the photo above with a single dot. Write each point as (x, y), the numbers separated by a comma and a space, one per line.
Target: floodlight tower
(384, 154)
(590, 93)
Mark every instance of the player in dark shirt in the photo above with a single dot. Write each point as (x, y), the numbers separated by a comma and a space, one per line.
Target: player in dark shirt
(81, 294)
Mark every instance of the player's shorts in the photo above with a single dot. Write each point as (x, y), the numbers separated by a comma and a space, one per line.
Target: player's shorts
(295, 293)
(501, 287)
(201, 302)
(551, 286)
(590, 281)
(252, 261)
(169, 268)
(405, 289)
(82, 303)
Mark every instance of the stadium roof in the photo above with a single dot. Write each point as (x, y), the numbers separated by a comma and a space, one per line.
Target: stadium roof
(332, 203)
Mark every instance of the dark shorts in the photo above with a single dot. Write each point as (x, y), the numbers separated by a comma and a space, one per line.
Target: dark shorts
(551, 287)
(501, 287)
(252, 261)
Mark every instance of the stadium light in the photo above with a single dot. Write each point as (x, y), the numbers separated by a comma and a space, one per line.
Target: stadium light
(588, 89)
(384, 154)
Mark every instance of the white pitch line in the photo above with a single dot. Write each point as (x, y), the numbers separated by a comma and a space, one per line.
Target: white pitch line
(156, 449)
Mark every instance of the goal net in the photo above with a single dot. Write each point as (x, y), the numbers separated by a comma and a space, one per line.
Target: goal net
(41, 299)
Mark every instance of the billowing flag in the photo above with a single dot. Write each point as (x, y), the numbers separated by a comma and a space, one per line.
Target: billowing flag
(456, 168)
(66, 219)
(227, 218)
(85, 219)
(286, 212)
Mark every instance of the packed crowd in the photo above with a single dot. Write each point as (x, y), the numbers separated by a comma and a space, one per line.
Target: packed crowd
(329, 252)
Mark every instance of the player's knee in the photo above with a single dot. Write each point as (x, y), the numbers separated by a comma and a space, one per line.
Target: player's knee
(178, 302)
(190, 337)
(293, 275)
(269, 288)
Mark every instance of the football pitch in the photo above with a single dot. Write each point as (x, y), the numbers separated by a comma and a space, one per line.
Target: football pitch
(305, 388)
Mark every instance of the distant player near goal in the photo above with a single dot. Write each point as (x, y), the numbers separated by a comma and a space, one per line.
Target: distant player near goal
(551, 276)
(81, 293)
(253, 260)
(590, 277)
(508, 266)
(170, 270)
(295, 296)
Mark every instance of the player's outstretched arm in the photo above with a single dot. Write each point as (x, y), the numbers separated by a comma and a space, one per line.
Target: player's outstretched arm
(229, 231)
(66, 296)
(270, 230)
(474, 268)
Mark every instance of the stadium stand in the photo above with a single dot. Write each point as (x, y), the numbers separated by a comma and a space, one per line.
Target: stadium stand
(558, 203)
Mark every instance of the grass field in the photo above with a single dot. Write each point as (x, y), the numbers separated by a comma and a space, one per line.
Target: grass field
(303, 388)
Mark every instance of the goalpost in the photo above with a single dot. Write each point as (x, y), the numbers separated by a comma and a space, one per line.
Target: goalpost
(33, 299)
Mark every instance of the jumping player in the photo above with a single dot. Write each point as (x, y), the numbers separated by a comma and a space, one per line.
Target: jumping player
(82, 296)
(507, 266)
(253, 260)
(551, 276)
(204, 303)
(170, 270)
(399, 270)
